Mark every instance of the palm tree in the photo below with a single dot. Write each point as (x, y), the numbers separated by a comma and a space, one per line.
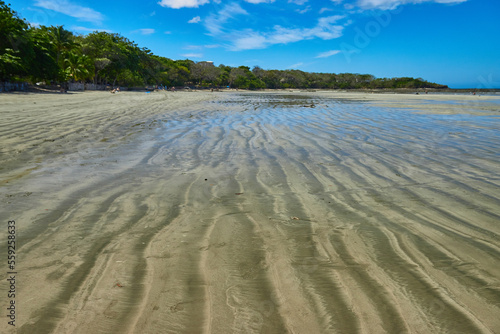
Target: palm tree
(78, 67)
(62, 41)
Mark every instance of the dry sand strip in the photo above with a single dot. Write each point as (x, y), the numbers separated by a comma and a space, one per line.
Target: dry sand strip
(252, 212)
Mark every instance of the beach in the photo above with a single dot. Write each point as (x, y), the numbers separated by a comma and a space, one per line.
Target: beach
(251, 212)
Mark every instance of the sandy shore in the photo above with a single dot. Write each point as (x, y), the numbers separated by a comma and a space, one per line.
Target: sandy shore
(199, 212)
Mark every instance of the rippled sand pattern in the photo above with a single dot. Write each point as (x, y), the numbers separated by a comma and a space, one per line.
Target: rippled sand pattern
(264, 213)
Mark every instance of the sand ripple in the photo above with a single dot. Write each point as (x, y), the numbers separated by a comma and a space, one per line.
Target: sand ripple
(253, 213)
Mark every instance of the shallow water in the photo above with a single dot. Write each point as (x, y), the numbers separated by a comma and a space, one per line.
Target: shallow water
(260, 213)
(332, 128)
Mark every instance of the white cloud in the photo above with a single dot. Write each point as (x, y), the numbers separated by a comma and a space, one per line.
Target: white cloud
(324, 9)
(201, 47)
(193, 55)
(195, 19)
(298, 2)
(193, 47)
(65, 7)
(145, 31)
(214, 22)
(294, 66)
(176, 4)
(325, 29)
(328, 54)
(303, 11)
(252, 41)
(392, 4)
(255, 2)
(282, 35)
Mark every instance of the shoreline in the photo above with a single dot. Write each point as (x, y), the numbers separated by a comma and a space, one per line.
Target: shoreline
(431, 91)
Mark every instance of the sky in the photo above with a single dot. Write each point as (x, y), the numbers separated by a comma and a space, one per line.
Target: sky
(451, 42)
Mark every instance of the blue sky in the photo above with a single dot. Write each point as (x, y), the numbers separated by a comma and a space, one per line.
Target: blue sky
(453, 42)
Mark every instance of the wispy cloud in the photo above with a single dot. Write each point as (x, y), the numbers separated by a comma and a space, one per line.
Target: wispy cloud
(303, 11)
(392, 4)
(193, 47)
(176, 4)
(252, 40)
(214, 22)
(193, 55)
(255, 2)
(195, 19)
(67, 8)
(200, 47)
(326, 29)
(227, 24)
(328, 54)
(294, 66)
(145, 31)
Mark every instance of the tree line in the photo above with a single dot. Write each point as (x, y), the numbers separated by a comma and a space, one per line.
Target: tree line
(55, 55)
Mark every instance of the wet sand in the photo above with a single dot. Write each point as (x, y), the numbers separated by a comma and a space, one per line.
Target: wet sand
(283, 212)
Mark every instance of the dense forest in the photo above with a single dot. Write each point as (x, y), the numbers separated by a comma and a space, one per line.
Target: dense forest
(54, 55)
